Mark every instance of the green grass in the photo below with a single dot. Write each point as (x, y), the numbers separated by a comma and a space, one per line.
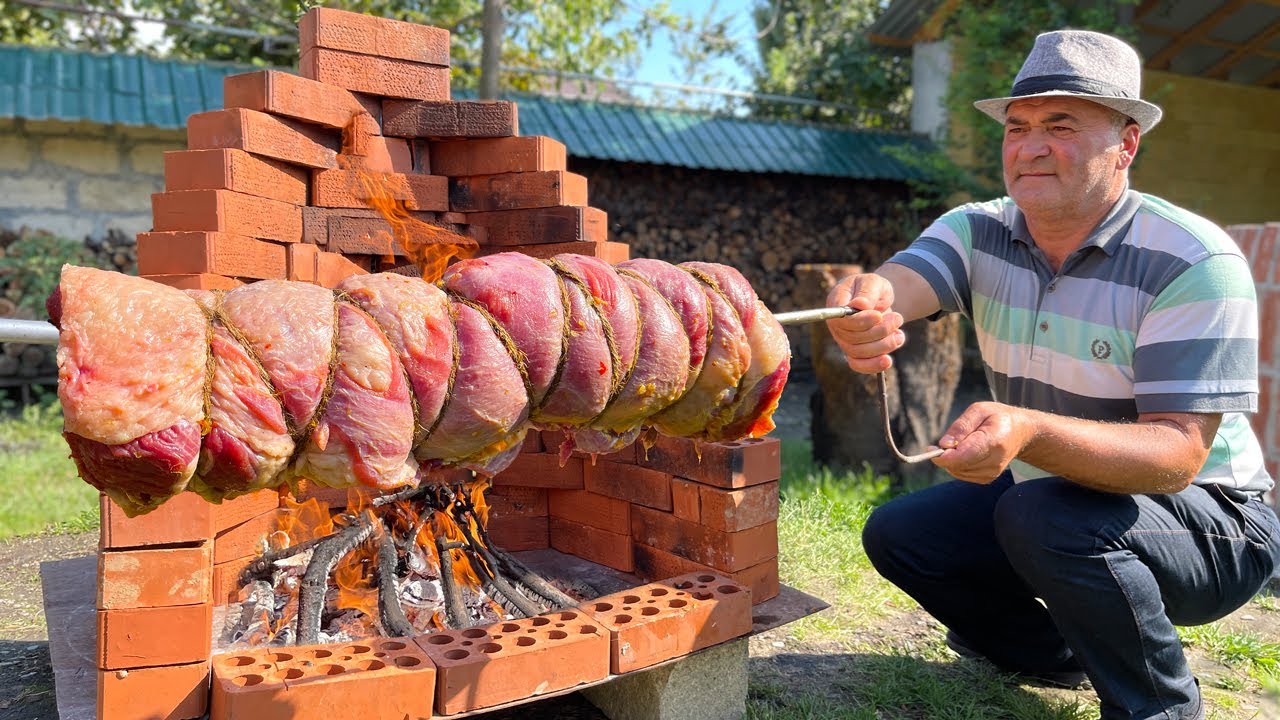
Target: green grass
(39, 488)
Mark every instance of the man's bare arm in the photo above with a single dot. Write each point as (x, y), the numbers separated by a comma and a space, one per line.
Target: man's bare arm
(885, 299)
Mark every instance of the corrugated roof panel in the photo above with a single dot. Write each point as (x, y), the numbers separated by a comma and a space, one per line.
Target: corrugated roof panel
(40, 83)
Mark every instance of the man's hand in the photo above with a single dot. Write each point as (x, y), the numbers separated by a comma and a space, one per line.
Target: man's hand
(869, 335)
(982, 442)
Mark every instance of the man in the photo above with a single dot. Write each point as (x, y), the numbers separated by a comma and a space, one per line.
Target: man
(1112, 489)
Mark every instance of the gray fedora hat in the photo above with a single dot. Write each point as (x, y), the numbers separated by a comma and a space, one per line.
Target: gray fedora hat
(1084, 64)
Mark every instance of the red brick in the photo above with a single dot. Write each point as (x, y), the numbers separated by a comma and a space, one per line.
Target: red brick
(728, 552)
(632, 483)
(591, 509)
(611, 252)
(184, 518)
(293, 96)
(532, 443)
(654, 564)
(378, 154)
(147, 637)
(449, 119)
(536, 226)
(355, 32)
(520, 533)
(542, 470)
(495, 156)
(366, 230)
(247, 539)
(485, 666)
(351, 189)
(731, 510)
(226, 211)
(332, 498)
(230, 513)
(231, 169)
(302, 262)
(1246, 236)
(1273, 228)
(599, 546)
(732, 465)
(195, 252)
(172, 692)
(225, 580)
(1268, 326)
(516, 191)
(196, 281)
(388, 77)
(684, 498)
(1267, 253)
(514, 501)
(154, 577)
(263, 134)
(333, 268)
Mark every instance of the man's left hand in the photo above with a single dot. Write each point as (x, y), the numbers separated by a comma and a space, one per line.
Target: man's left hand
(982, 441)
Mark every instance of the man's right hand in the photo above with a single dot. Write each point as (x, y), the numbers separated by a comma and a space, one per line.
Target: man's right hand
(869, 335)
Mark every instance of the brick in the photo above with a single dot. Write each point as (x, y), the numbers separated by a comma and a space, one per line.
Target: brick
(728, 552)
(243, 508)
(158, 577)
(514, 501)
(515, 191)
(520, 533)
(196, 281)
(451, 119)
(378, 154)
(542, 470)
(355, 32)
(246, 539)
(263, 134)
(231, 169)
(684, 499)
(590, 509)
(362, 230)
(337, 679)
(293, 96)
(536, 226)
(184, 518)
(532, 443)
(732, 510)
(496, 156)
(1273, 229)
(388, 77)
(672, 618)
(146, 637)
(733, 465)
(611, 252)
(194, 252)
(485, 666)
(643, 486)
(599, 546)
(333, 268)
(226, 211)
(302, 262)
(352, 189)
(332, 498)
(172, 692)
(654, 564)
(225, 580)
(1269, 325)
(1267, 253)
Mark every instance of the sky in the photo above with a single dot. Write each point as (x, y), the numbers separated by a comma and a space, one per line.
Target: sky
(660, 63)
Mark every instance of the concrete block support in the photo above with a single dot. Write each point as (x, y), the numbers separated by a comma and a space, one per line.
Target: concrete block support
(707, 685)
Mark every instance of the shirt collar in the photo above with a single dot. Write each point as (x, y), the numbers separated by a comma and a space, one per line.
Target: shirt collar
(1106, 235)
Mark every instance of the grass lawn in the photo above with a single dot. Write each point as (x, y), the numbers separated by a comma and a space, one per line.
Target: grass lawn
(39, 488)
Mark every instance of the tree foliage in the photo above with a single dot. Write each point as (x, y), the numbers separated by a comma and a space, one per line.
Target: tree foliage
(819, 50)
(596, 37)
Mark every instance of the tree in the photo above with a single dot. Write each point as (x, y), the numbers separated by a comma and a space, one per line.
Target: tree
(592, 37)
(819, 50)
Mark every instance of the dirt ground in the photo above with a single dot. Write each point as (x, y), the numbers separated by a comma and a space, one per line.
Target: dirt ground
(777, 657)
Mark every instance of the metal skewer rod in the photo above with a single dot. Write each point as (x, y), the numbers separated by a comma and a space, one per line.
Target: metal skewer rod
(800, 317)
(35, 332)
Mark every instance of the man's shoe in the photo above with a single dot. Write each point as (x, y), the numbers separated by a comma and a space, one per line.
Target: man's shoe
(1070, 678)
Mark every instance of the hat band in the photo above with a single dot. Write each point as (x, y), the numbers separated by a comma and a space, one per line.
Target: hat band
(1069, 83)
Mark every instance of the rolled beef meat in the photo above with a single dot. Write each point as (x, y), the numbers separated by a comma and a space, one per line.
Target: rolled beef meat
(389, 378)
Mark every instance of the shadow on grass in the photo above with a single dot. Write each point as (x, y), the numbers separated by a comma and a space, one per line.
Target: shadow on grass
(26, 681)
(868, 686)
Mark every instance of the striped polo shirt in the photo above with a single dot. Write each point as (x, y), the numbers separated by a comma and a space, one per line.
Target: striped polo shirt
(1155, 312)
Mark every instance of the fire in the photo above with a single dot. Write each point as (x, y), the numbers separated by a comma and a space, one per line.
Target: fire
(430, 247)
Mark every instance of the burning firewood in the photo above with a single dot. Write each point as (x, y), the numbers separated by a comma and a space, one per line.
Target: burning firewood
(390, 377)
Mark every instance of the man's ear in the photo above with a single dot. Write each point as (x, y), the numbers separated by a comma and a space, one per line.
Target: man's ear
(1130, 136)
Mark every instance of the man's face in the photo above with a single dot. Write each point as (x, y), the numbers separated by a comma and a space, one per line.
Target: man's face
(1065, 156)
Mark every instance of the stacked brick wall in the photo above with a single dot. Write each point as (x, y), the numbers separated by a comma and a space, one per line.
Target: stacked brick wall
(1261, 245)
(268, 189)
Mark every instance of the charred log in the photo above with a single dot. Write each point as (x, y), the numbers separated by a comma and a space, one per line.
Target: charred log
(315, 582)
(454, 611)
(394, 622)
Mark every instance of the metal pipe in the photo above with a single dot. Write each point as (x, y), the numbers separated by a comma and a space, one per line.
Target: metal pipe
(800, 317)
(35, 332)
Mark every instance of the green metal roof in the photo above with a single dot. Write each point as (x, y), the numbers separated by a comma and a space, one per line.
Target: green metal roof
(43, 84)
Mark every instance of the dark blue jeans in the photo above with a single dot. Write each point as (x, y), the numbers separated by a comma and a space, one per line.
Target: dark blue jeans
(1115, 574)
